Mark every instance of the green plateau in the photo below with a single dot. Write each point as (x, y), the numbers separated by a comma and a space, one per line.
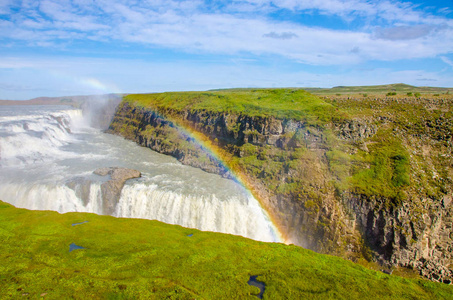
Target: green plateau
(144, 259)
(294, 104)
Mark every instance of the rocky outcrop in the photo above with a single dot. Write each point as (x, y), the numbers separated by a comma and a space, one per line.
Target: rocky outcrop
(82, 187)
(416, 235)
(152, 130)
(111, 186)
(355, 130)
(111, 189)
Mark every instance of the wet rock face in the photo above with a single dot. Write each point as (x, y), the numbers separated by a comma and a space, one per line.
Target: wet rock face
(111, 189)
(82, 187)
(150, 129)
(415, 235)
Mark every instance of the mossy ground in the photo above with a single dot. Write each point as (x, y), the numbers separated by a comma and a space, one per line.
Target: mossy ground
(144, 259)
(410, 151)
(279, 103)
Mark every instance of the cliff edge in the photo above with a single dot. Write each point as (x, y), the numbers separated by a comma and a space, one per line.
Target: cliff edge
(359, 178)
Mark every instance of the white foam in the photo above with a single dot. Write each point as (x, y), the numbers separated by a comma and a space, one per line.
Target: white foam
(239, 216)
(36, 138)
(42, 197)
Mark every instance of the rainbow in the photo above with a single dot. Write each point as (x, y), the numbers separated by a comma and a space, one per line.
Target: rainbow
(198, 138)
(98, 85)
(215, 152)
(92, 84)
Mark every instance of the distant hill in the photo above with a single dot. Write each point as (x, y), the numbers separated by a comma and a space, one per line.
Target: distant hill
(380, 89)
(98, 108)
(399, 88)
(75, 101)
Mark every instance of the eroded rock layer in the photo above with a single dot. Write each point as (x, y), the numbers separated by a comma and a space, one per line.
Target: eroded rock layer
(111, 189)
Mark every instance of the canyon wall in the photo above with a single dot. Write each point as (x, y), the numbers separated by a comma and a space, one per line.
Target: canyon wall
(309, 178)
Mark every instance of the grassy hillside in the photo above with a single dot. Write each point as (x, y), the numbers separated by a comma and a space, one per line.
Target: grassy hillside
(143, 259)
(396, 159)
(280, 103)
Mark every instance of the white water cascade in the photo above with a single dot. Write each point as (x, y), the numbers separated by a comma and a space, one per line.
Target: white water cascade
(48, 155)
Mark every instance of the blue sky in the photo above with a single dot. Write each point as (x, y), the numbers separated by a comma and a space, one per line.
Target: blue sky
(76, 47)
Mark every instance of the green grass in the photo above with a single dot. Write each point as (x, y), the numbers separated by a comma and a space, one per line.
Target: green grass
(143, 259)
(387, 171)
(279, 103)
(396, 160)
(383, 172)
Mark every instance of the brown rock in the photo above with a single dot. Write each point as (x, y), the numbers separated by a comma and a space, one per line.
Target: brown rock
(111, 190)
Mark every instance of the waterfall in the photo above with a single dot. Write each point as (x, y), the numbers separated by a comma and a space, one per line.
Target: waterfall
(27, 139)
(235, 215)
(47, 159)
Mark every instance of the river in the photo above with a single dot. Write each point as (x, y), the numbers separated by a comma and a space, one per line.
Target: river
(45, 151)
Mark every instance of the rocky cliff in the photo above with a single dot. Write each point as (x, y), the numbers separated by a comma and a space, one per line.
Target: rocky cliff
(372, 182)
(111, 186)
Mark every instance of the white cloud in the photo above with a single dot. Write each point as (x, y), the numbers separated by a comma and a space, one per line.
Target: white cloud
(189, 26)
(404, 32)
(287, 35)
(67, 16)
(5, 7)
(447, 61)
(348, 9)
(58, 76)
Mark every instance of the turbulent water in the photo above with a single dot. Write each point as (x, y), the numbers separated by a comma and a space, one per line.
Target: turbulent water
(46, 151)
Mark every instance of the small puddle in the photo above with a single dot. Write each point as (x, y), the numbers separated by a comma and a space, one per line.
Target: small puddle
(75, 247)
(259, 284)
(189, 235)
(75, 224)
